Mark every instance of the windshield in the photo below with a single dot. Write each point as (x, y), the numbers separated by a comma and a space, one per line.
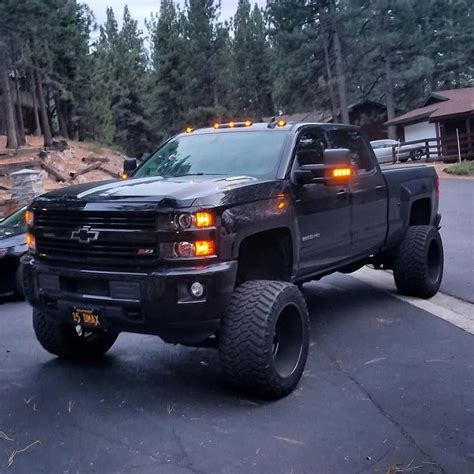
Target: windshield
(17, 219)
(229, 154)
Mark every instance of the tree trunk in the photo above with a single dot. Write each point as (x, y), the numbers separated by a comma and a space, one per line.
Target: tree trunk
(327, 62)
(62, 122)
(45, 127)
(34, 98)
(340, 77)
(389, 97)
(9, 110)
(19, 113)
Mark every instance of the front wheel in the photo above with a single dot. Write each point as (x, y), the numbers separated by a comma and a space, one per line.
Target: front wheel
(70, 342)
(416, 155)
(418, 267)
(264, 338)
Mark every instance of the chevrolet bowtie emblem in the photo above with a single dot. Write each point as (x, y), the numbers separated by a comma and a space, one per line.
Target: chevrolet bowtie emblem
(85, 235)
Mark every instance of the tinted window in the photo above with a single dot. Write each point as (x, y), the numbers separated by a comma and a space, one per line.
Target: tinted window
(354, 141)
(221, 153)
(311, 146)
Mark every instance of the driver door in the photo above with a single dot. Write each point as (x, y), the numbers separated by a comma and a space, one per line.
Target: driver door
(324, 212)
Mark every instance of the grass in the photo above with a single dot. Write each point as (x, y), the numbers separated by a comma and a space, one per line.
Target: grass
(465, 168)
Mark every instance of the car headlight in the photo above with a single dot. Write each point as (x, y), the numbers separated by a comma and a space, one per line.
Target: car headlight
(188, 249)
(198, 220)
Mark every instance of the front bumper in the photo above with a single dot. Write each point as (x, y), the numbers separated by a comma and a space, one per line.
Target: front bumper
(155, 301)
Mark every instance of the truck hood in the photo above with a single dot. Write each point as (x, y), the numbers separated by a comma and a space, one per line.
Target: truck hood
(206, 190)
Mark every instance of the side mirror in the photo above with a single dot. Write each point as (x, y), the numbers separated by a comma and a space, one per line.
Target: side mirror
(336, 169)
(129, 166)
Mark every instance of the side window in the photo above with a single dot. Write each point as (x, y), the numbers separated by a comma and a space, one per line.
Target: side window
(354, 141)
(311, 145)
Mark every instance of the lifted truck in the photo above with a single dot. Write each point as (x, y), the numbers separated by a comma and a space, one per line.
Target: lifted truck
(208, 241)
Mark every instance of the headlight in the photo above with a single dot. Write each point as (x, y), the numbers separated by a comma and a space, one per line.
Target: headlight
(200, 248)
(199, 220)
(188, 249)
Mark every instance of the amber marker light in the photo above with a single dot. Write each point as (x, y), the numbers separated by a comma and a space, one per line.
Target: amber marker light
(123, 175)
(216, 126)
(204, 219)
(248, 123)
(29, 217)
(231, 124)
(281, 123)
(205, 248)
(31, 242)
(189, 129)
(341, 172)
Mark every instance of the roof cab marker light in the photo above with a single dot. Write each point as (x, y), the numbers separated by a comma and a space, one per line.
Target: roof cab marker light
(277, 122)
(247, 123)
(189, 130)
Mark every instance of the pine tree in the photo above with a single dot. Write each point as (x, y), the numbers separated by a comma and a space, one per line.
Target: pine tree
(200, 69)
(251, 63)
(128, 111)
(167, 82)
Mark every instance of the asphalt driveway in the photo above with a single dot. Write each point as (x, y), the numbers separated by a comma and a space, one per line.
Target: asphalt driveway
(386, 385)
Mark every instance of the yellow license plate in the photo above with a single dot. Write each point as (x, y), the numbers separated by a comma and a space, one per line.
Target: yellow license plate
(86, 317)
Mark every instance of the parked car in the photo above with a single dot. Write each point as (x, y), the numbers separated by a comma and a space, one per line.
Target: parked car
(12, 247)
(208, 240)
(384, 150)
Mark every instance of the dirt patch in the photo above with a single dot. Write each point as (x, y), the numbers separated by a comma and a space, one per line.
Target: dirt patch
(69, 163)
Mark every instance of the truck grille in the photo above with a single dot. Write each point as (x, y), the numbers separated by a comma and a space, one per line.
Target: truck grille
(96, 237)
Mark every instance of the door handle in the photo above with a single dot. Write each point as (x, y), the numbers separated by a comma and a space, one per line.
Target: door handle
(342, 192)
(379, 186)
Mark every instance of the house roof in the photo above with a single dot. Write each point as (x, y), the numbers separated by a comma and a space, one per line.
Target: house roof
(317, 116)
(450, 103)
(325, 116)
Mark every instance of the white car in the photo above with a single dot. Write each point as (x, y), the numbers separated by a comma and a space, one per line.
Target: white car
(383, 150)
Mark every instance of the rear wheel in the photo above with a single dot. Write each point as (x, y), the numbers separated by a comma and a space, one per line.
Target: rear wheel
(71, 342)
(418, 267)
(264, 338)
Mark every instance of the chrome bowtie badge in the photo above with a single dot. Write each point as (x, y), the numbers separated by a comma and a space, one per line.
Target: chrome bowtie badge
(85, 235)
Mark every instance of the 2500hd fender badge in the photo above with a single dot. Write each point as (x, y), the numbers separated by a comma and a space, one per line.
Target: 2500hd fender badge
(85, 234)
(305, 238)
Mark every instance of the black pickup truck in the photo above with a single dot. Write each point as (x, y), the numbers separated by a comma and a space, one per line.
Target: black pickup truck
(207, 242)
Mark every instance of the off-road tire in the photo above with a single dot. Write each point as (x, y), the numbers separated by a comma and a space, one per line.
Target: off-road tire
(61, 339)
(250, 361)
(418, 266)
